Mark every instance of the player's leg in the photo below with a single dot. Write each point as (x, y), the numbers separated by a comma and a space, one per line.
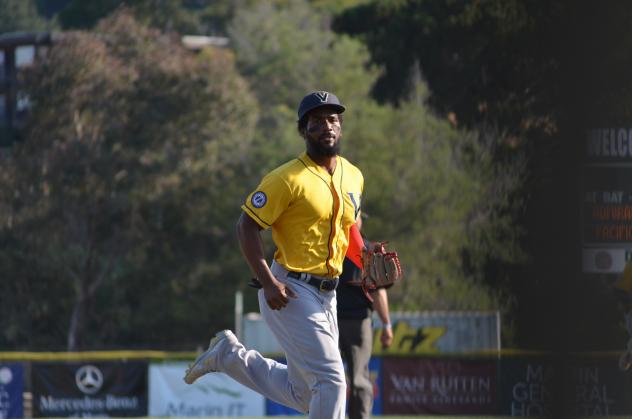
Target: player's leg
(356, 339)
(308, 332)
(314, 377)
(292, 385)
(248, 367)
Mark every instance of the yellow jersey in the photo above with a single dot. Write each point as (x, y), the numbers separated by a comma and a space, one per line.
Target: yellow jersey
(310, 213)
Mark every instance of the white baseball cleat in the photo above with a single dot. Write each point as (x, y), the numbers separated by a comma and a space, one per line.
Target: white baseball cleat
(203, 364)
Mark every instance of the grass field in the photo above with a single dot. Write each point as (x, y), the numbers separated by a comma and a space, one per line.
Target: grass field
(414, 417)
(410, 417)
(389, 417)
(427, 417)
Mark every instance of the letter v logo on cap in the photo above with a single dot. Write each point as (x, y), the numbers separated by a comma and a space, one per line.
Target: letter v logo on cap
(322, 96)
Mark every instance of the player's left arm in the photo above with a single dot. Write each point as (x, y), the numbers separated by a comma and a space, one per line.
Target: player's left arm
(380, 305)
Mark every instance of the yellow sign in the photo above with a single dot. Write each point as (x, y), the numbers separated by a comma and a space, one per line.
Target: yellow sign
(410, 340)
(625, 282)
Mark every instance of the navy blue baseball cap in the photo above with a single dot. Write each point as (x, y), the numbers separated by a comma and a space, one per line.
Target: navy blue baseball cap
(316, 100)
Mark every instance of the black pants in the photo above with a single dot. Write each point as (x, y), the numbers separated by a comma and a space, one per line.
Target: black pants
(356, 342)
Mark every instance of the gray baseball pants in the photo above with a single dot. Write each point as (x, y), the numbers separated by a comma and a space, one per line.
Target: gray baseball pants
(313, 381)
(356, 344)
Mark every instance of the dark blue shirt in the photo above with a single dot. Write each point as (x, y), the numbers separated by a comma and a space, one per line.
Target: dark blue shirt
(352, 302)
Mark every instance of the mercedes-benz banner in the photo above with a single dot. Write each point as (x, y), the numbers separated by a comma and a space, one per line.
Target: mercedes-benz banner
(63, 389)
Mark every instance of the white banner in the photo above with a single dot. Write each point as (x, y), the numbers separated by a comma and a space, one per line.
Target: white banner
(442, 331)
(605, 260)
(214, 394)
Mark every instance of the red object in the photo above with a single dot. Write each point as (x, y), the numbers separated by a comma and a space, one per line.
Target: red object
(356, 243)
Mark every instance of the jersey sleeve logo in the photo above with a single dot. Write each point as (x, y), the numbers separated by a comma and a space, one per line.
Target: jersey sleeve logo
(258, 199)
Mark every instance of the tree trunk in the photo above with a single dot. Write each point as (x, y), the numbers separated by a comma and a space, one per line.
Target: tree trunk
(77, 322)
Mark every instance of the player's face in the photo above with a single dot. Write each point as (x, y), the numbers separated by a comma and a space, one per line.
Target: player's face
(323, 132)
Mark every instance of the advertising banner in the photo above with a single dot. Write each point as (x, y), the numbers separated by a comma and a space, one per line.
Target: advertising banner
(375, 368)
(605, 260)
(11, 391)
(414, 333)
(440, 332)
(375, 365)
(527, 386)
(276, 409)
(597, 387)
(211, 395)
(64, 389)
(439, 386)
(606, 201)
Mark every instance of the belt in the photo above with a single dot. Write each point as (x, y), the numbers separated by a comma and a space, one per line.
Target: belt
(322, 284)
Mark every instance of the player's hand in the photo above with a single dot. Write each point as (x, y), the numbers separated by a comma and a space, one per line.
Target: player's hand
(278, 295)
(387, 337)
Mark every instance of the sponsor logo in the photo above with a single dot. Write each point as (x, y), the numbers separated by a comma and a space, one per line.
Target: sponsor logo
(410, 339)
(603, 260)
(322, 96)
(226, 409)
(259, 199)
(89, 379)
(87, 404)
(209, 388)
(6, 376)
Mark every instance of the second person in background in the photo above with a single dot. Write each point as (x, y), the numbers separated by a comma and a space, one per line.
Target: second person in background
(355, 322)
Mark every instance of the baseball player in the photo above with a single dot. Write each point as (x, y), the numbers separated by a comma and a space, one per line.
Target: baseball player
(310, 203)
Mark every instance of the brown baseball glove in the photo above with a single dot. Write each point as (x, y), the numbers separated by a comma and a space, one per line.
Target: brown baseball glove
(380, 267)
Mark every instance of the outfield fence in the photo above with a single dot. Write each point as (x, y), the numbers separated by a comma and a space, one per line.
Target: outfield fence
(149, 383)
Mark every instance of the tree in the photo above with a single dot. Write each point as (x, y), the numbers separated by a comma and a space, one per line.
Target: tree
(115, 189)
(428, 185)
(540, 74)
(201, 17)
(428, 191)
(286, 49)
(20, 15)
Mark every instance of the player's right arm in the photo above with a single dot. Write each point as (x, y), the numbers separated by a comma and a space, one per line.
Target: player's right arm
(275, 292)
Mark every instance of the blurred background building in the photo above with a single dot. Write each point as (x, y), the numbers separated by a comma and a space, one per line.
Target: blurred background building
(18, 50)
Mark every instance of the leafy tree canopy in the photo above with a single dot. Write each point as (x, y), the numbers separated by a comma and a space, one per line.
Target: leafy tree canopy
(203, 17)
(20, 15)
(139, 154)
(123, 173)
(540, 74)
(430, 189)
